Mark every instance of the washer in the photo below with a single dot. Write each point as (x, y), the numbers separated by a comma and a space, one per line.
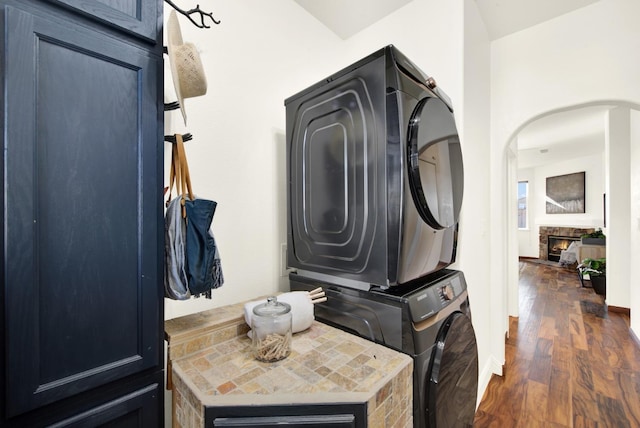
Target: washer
(374, 175)
(430, 320)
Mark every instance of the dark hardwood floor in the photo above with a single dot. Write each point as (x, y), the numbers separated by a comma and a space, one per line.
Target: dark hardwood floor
(569, 362)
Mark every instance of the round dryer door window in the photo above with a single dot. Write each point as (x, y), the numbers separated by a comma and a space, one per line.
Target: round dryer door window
(452, 379)
(435, 163)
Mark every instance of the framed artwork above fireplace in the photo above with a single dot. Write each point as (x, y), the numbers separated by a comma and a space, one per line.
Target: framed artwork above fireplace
(565, 194)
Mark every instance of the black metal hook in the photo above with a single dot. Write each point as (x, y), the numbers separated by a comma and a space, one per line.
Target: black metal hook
(171, 106)
(190, 12)
(172, 138)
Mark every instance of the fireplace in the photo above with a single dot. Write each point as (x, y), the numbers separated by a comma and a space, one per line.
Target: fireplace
(556, 244)
(561, 231)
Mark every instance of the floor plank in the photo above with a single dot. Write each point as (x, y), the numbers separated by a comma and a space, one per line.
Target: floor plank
(535, 400)
(628, 383)
(569, 362)
(559, 403)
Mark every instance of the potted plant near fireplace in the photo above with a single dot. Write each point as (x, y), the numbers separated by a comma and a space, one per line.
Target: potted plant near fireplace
(597, 271)
(594, 238)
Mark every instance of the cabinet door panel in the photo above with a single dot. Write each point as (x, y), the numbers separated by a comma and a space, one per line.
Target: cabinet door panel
(137, 409)
(302, 421)
(139, 17)
(339, 415)
(82, 206)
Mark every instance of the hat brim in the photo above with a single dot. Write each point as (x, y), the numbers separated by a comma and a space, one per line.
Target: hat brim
(174, 38)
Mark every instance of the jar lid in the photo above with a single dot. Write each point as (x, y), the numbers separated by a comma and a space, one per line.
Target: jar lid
(272, 308)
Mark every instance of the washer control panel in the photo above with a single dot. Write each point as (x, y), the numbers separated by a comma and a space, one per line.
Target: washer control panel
(432, 298)
(446, 292)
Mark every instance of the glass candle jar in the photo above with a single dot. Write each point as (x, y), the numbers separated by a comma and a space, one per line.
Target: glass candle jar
(271, 330)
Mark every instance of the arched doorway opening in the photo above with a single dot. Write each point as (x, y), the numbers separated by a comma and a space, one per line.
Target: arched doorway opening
(581, 114)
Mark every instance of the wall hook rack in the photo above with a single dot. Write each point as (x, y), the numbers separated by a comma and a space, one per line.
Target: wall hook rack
(172, 138)
(195, 11)
(171, 106)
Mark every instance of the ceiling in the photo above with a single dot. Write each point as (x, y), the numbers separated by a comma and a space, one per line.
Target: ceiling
(562, 136)
(348, 17)
(501, 17)
(572, 125)
(504, 17)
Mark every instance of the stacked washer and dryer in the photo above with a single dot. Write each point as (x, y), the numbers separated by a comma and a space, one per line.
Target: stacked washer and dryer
(375, 183)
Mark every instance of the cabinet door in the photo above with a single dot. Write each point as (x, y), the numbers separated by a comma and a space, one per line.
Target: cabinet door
(82, 210)
(137, 409)
(321, 421)
(139, 17)
(338, 415)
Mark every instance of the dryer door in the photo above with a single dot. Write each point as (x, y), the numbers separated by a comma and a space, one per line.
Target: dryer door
(452, 378)
(435, 163)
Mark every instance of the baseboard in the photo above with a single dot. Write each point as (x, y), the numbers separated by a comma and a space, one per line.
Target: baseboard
(619, 310)
(493, 366)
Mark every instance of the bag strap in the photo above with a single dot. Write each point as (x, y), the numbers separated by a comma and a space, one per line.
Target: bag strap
(174, 174)
(179, 173)
(184, 169)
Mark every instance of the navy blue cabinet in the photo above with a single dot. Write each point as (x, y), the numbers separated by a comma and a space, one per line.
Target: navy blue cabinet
(138, 17)
(137, 408)
(81, 306)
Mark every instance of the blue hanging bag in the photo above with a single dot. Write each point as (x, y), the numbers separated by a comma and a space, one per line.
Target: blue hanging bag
(192, 265)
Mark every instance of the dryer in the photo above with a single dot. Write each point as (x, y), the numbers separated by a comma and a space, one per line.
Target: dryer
(374, 175)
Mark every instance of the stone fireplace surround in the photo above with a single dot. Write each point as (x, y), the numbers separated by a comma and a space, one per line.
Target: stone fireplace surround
(545, 231)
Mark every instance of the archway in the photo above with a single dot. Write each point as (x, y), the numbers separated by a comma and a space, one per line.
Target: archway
(511, 155)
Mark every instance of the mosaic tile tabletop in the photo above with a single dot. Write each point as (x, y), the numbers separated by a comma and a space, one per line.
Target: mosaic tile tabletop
(323, 360)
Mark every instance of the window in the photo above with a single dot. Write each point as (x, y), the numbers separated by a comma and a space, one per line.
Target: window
(523, 195)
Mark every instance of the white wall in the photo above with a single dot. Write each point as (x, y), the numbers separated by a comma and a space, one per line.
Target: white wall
(634, 233)
(593, 167)
(580, 58)
(617, 152)
(474, 255)
(260, 54)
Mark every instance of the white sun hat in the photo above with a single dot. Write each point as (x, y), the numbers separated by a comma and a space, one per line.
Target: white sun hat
(187, 71)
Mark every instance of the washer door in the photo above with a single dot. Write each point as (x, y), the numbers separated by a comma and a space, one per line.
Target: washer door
(452, 378)
(434, 162)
